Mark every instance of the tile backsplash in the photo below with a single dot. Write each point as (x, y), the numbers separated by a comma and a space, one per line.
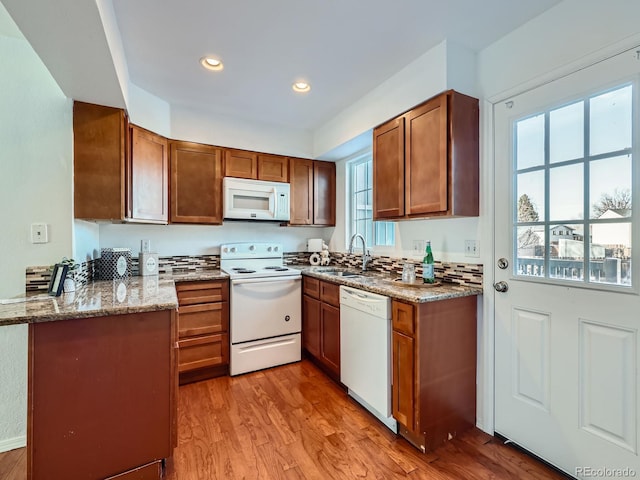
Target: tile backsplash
(37, 278)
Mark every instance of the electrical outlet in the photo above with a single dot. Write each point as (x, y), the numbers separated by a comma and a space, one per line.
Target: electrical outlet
(39, 233)
(471, 248)
(145, 246)
(418, 246)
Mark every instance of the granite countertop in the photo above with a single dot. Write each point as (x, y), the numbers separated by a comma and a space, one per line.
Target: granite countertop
(384, 284)
(104, 297)
(95, 299)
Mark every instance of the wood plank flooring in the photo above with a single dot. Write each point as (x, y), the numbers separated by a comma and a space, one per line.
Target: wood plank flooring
(292, 422)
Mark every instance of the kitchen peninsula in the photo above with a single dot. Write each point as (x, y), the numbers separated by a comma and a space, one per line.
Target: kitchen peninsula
(102, 379)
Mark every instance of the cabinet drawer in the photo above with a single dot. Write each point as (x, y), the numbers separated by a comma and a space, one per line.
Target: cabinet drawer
(203, 319)
(190, 293)
(205, 351)
(311, 287)
(330, 293)
(402, 315)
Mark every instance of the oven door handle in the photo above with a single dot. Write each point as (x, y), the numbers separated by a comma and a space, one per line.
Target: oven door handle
(245, 281)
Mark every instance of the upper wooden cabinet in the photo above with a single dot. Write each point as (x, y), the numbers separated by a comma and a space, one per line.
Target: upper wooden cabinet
(324, 193)
(426, 161)
(240, 164)
(120, 171)
(100, 145)
(313, 192)
(273, 168)
(149, 174)
(257, 166)
(196, 183)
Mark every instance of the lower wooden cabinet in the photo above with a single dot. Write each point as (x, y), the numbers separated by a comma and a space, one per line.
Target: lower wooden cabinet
(203, 329)
(321, 324)
(434, 369)
(101, 396)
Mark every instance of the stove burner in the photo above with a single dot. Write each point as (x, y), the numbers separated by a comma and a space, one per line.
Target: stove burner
(243, 270)
(277, 268)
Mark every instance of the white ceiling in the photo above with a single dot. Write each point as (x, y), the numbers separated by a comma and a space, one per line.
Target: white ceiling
(344, 48)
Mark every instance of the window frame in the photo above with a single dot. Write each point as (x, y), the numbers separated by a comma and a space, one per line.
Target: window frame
(350, 229)
(586, 222)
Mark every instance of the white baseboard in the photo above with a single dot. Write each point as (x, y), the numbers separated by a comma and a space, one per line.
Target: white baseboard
(13, 443)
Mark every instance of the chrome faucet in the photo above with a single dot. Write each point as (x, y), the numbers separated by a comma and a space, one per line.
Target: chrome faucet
(366, 255)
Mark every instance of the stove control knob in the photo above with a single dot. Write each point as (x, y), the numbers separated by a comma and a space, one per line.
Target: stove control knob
(225, 249)
(252, 248)
(275, 249)
(233, 249)
(269, 249)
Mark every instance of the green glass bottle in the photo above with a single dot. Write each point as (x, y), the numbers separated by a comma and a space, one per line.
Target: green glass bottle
(427, 265)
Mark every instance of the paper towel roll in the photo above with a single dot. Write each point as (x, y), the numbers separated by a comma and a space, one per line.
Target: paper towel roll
(314, 245)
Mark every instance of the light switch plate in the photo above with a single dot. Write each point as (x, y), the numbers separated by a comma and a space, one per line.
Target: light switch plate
(419, 246)
(471, 248)
(39, 233)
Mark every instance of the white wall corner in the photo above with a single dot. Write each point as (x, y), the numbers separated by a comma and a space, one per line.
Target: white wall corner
(86, 240)
(204, 126)
(149, 111)
(461, 69)
(114, 41)
(421, 79)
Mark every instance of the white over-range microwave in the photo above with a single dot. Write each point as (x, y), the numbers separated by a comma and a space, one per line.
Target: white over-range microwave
(246, 199)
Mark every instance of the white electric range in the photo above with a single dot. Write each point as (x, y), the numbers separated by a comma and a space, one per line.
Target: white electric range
(265, 312)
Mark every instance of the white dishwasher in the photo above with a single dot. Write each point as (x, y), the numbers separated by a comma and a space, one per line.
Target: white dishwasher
(365, 351)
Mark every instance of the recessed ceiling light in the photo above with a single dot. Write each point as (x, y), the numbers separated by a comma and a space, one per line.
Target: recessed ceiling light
(211, 63)
(301, 87)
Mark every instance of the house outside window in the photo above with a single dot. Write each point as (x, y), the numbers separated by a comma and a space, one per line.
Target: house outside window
(360, 200)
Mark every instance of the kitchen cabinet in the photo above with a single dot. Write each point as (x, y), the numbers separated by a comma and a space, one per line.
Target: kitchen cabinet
(240, 163)
(434, 369)
(257, 166)
(313, 192)
(203, 329)
(426, 161)
(321, 324)
(196, 183)
(149, 177)
(273, 168)
(102, 396)
(120, 170)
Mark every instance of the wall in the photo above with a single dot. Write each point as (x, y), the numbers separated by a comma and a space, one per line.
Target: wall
(445, 66)
(35, 186)
(205, 239)
(204, 127)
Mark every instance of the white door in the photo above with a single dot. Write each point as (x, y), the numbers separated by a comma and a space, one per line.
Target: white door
(566, 330)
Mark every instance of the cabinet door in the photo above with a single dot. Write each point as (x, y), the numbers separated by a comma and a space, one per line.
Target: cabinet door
(149, 177)
(100, 146)
(403, 374)
(426, 160)
(388, 170)
(240, 164)
(273, 168)
(203, 351)
(330, 337)
(206, 318)
(301, 179)
(324, 193)
(196, 183)
(311, 325)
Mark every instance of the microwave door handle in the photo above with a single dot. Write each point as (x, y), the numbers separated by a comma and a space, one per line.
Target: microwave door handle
(275, 202)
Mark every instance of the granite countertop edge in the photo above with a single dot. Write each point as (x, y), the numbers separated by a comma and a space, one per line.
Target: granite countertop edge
(102, 298)
(381, 283)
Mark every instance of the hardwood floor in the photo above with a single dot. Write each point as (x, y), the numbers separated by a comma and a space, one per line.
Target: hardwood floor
(293, 422)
